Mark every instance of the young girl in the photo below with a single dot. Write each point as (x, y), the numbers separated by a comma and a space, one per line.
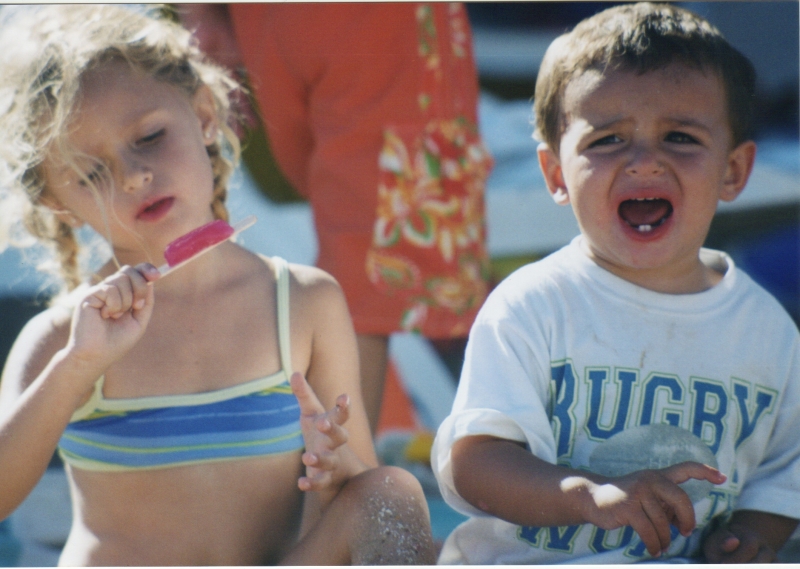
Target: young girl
(175, 454)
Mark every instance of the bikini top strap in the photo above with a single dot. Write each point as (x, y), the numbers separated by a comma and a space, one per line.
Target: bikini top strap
(284, 331)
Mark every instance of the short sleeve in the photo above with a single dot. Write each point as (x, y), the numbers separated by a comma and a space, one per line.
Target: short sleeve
(774, 485)
(503, 391)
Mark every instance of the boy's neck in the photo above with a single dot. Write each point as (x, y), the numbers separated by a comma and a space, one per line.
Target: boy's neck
(690, 278)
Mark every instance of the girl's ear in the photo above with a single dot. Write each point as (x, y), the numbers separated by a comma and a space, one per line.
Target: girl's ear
(206, 111)
(553, 175)
(740, 165)
(61, 213)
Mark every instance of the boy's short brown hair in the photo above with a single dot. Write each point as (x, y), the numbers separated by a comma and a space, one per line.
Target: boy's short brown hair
(642, 37)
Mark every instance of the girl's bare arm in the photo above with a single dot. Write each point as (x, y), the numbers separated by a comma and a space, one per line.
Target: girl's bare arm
(40, 388)
(333, 362)
(52, 368)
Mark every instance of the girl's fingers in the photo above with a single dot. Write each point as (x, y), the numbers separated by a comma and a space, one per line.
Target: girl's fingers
(341, 411)
(306, 398)
(323, 461)
(336, 433)
(125, 290)
(314, 483)
(148, 271)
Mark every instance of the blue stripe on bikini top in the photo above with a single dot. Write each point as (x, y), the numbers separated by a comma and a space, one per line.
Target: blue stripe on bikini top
(256, 418)
(257, 424)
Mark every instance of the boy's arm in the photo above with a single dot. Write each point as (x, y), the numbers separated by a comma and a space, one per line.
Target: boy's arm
(749, 537)
(502, 478)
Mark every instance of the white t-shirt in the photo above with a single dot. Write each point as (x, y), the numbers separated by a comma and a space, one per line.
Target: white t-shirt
(564, 355)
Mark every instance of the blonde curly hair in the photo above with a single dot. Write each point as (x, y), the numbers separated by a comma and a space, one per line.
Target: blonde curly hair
(44, 53)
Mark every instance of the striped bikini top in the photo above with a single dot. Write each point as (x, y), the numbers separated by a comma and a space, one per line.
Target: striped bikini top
(255, 418)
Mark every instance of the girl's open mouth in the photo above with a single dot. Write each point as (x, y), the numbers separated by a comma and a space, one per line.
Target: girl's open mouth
(645, 214)
(155, 210)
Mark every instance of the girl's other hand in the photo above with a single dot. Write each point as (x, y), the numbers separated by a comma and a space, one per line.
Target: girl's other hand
(324, 436)
(113, 316)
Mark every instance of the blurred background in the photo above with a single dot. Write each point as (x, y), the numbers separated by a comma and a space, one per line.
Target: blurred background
(761, 229)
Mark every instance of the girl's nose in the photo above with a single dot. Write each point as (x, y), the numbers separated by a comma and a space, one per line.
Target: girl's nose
(136, 177)
(645, 162)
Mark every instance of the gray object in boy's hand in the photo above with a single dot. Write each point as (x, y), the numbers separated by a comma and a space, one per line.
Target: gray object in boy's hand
(653, 447)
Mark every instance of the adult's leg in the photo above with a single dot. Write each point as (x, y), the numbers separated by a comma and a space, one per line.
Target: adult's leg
(373, 355)
(380, 517)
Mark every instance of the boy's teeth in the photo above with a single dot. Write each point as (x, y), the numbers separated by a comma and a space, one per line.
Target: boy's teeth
(644, 228)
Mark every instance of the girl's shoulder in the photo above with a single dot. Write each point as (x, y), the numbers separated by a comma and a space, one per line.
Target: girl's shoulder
(307, 281)
(315, 295)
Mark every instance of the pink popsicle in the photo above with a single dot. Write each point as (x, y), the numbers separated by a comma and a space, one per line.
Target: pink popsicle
(187, 246)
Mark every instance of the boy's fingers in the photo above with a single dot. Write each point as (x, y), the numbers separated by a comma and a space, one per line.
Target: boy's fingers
(730, 543)
(658, 518)
(683, 471)
(642, 525)
(681, 510)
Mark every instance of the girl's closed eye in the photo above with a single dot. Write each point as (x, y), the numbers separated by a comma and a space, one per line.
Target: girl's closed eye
(151, 138)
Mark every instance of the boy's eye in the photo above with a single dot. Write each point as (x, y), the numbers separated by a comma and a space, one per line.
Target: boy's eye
(610, 139)
(150, 138)
(680, 138)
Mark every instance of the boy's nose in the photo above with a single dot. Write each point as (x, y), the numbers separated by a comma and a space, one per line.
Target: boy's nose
(644, 162)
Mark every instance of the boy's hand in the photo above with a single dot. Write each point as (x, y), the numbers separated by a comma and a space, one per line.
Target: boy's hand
(737, 545)
(650, 501)
(750, 536)
(113, 316)
(324, 437)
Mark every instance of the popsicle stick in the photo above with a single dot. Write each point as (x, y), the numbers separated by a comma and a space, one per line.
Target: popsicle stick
(238, 227)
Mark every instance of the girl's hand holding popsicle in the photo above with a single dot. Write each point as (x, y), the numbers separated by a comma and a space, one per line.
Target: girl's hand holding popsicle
(114, 313)
(113, 316)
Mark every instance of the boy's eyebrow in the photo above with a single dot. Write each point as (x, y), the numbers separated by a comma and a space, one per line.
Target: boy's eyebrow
(690, 122)
(676, 121)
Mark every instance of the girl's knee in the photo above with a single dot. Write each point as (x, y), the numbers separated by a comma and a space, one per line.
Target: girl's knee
(390, 479)
(394, 525)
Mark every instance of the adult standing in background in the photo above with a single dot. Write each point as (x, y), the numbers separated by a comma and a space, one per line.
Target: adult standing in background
(371, 113)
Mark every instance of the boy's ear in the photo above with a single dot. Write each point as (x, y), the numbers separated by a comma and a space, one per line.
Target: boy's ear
(553, 175)
(206, 111)
(740, 165)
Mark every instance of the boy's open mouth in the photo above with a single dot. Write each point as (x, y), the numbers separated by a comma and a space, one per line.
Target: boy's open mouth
(645, 214)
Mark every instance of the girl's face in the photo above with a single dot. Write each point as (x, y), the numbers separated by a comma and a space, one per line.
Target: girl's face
(142, 144)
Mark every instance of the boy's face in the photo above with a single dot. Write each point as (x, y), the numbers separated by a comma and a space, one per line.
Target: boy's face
(644, 160)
